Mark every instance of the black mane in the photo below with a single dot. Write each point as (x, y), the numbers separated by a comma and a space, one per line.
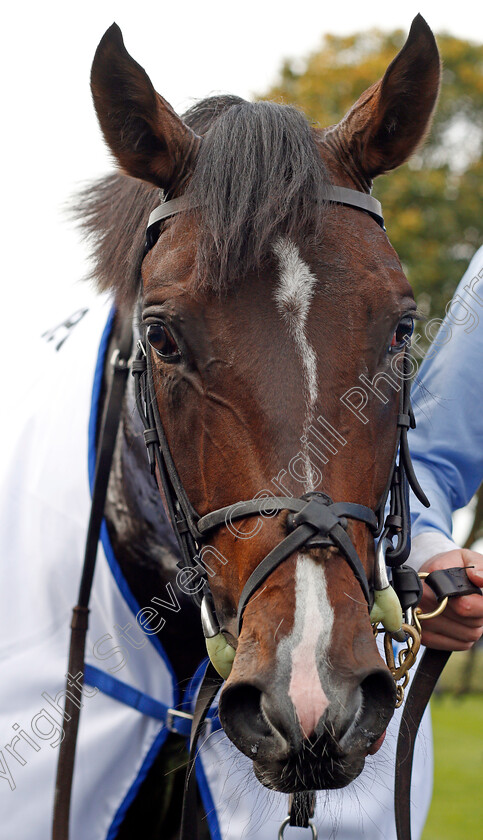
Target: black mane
(258, 176)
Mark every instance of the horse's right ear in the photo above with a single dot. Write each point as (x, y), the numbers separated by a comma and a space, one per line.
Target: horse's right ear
(147, 137)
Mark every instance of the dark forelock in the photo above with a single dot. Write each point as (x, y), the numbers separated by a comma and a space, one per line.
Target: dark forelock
(259, 175)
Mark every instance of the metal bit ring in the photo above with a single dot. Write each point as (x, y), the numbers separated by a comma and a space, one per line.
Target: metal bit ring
(286, 822)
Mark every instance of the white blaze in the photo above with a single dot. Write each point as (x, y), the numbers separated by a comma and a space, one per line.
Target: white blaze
(308, 643)
(314, 616)
(293, 297)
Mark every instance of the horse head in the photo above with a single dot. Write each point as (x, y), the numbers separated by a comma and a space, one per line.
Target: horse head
(276, 322)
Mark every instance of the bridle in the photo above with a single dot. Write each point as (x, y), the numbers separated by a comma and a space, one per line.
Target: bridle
(313, 520)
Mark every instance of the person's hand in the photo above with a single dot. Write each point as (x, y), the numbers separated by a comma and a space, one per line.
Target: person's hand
(461, 624)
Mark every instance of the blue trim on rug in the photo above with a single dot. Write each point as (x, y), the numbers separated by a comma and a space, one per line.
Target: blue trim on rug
(143, 703)
(204, 788)
(105, 541)
(132, 792)
(121, 582)
(96, 391)
(207, 799)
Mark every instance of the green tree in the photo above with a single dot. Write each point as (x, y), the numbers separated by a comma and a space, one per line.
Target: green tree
(433, 205)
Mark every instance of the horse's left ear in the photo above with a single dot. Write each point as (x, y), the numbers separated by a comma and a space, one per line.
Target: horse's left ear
(142, 130)
(391, 119)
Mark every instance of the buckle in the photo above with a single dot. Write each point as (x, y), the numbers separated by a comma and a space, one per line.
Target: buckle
(185, 721)
(117, 361)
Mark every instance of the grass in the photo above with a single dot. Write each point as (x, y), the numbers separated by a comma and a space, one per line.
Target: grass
(464, 671)
(457, 807)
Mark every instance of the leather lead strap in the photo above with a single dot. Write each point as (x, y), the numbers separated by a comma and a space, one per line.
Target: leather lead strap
(446, 583)
(424, 681)
(301, 808)
(79, 625)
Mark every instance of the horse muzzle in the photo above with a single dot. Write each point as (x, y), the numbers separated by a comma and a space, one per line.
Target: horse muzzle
(261, 719)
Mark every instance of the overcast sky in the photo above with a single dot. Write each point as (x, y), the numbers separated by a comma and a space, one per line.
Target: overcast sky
(50, 140)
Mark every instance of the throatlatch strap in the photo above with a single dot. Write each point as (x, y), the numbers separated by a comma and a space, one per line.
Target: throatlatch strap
(107, 440)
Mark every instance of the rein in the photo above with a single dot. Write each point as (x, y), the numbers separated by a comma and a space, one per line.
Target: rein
(314, 520)
(80, 615)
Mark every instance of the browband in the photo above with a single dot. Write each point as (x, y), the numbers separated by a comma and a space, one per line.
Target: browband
(336, 195)
(169, 208)
(360, 200)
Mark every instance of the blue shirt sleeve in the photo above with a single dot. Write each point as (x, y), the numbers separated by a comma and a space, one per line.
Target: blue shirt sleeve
(447, 444)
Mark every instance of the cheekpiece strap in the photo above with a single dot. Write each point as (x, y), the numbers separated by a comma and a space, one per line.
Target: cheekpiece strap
(397, 523)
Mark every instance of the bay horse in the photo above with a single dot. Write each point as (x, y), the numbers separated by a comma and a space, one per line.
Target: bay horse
(264, 305)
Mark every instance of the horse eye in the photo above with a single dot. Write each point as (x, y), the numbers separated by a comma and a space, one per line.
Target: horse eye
(162, 342)
(402, 334)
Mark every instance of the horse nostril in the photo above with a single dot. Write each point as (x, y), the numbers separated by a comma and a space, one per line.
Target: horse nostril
(378, 701)
(242, 718)
(379, 693)
(377, 698)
